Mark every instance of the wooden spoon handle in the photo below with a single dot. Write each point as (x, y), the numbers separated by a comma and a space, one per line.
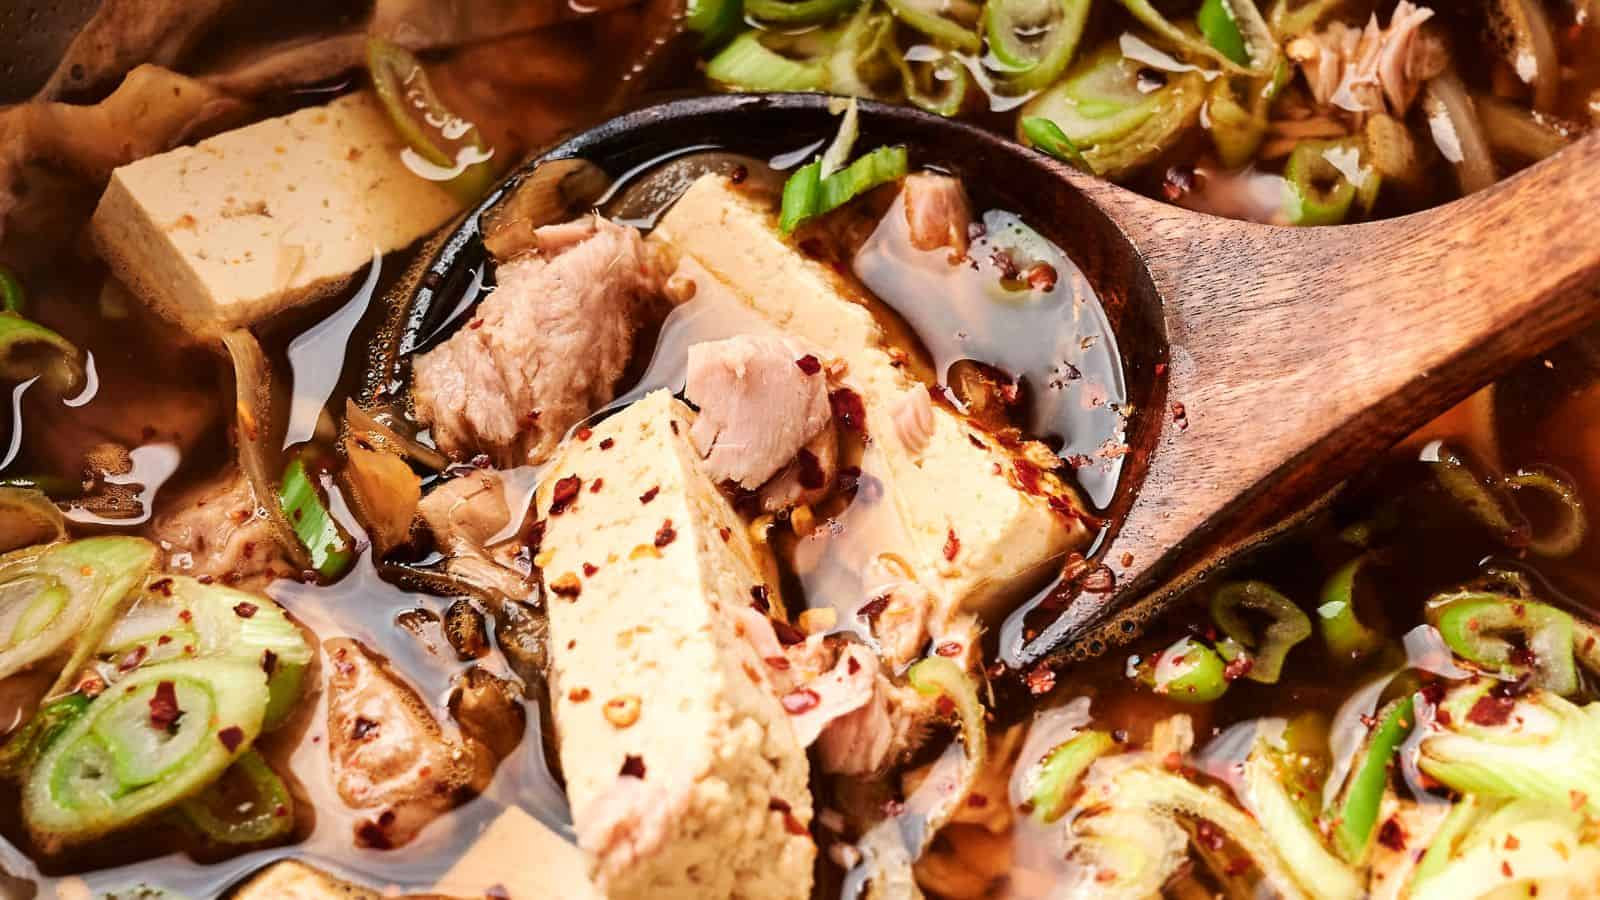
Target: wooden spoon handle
(1322, 347)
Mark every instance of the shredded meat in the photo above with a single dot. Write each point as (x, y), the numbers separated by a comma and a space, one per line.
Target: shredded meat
(217, 530)
(806, 480)
(543, 351)
(391, 759)
(1371, 70)
(761, 400)
(937, 212)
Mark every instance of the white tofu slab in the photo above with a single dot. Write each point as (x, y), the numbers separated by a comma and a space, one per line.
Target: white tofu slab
(275, 215)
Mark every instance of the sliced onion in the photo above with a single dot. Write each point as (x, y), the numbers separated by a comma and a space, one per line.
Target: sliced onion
(1457, 132)
(1515, 131)
(27, 517)
(252, 386)
(1529, 46)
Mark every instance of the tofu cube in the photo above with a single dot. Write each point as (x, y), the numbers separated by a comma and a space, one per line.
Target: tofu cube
(243, 225)
(976, 534)
(684, 774)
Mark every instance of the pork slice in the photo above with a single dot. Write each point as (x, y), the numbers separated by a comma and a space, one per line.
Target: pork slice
(937, 212)
(216, 529)
(545, 349)
(391, 759)
(1372, 69)
(761, 399)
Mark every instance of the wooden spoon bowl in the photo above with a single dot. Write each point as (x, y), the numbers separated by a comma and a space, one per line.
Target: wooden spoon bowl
(1297, 356)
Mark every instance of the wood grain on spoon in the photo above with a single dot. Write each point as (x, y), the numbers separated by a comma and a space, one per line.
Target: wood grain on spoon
(1299, 355)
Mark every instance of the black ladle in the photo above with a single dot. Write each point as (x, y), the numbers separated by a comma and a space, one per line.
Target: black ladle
(1297, 355)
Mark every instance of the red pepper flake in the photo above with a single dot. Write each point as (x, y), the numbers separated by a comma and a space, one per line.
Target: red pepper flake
(1207, 835)
(567, 586)
(673, 423)
(1161, 369)
(1512, 843)
(607, 443)
(848, 409)
(1491, 710)
(133, 658)
(788, 635)
(632, 765)
(594, 486)
(231, 737)
(1578, 799)
(790, 823)
(809, 364)
(798, 701)
(564, 494)
(781, 663)
(1173, 761)
(164, 640)
(739, 174)
(245, 610)
(269, 662)
(665, 534)
(948, 648)
(977, 801)
(578, 695)
(584, 433)
(649, 495)
(759, 599)
(1392, 835)
(1239, 866)
(361, 728)
(162, 586)
(1180, 416)
(1027, 475)
(1505, 868)
(873, 608)
(812, 477)
(952, 545)
(1237, 668)
(369, 835)
(1042, 276)
(164, 711)
(185, 616)
(725, 533)
(852, 664)
(945, 705)
(1040, 679)
(976, 441)
(589, 569)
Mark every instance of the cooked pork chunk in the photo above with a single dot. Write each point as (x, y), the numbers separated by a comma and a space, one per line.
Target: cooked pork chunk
(217, 529)
(682, 767)
(391, 759)
(1361, 70)
(544, 350)
(937, 212)
(761, 400)
(809, 478)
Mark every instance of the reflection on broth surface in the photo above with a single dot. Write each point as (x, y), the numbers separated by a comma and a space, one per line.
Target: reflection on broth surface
(661, 549)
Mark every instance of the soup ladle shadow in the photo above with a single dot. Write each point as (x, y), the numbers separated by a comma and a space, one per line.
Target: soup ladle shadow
(1265, 364)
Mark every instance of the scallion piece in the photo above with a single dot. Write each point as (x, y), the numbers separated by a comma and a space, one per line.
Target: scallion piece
(323, 537)
(249, 804)
(1346, 637)
(1187, 671)
(13, 299)
(1061, 770)
(22, 749)
(1216, 22)
(1257, 45)
(937, 84)
(1357, 815)
(797, 12)
(1033, 39)
(1323, 180)
(807, 194)
(1571, 525)
(1043, 135)
(1289, 626)
(747, 64)
(713, 20)
(30, 350)
(800, 196)
(428, 126)
(150, 741)
(1473, 625)
(927, 16)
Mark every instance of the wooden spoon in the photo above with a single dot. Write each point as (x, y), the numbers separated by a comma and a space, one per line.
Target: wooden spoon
(1297, 355)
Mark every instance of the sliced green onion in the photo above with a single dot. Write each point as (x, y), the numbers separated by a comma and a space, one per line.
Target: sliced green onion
(1472, 624)
(1289, 626)
(1292, 832)
(1442, 845)
(1572, 520)
(844, 141)
(135, 752)
(800, 196)
(935, 676)
(1060, 771)
(27, 517)
(1346, 637)
(1357, 815)
(1475, 494)
(934, 79)
(797, 12)
(23, 749)
(1319, 192)
(1256, 42)
(425, 122)
(1043, 135)
(864, 55)
(1238, 113)
(300, 498)
(1100, 108)
(1187, 671)
(1217, 24)
(927, 16)
(248, 804)
(747, 64)
(13, 299)
(1034, 40)
(714, 20)
(30, 350)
